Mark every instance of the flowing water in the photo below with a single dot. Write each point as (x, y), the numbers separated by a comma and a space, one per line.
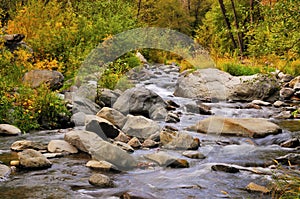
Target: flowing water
(68, 176)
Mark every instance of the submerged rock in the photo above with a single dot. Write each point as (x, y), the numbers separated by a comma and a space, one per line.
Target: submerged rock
(225, 168)
(33, 159)
(247, 127)
(7, 129)
(193, 154)
(101, 181)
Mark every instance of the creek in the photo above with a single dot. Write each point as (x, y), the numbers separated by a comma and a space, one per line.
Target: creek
(68, 176)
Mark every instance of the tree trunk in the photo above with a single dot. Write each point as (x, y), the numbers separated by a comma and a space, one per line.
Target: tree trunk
(223, 9)
(139, 8)
(251, 11)
(240, 39)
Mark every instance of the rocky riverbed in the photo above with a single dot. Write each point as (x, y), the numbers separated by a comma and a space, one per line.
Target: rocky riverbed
(171, 136)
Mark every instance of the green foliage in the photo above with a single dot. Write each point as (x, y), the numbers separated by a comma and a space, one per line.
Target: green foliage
(239, 69)
(115, 72)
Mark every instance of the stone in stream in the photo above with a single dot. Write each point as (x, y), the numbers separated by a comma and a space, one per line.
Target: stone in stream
(7, 129)
(252, 106)
(286, 93)
(163, 159)
(4, 172)
(284, 115)
(78, 119)
(61, 146)
(225, 168)
(101, 165)
(246, 127)
(172, 118)
(291, 143)
(193, 155)
(135, 143)
(215, 84)
(100, 150)
(148, 143)
(87, 106)
(261, 103)
(199, 108)
(107, 97)
(257, 188)
(101, 181)
(278, 104)
(113, 116)
(104, 129)
(294, 81)
(27, 144)
(140, 127)
(178, 140)
(124, 146)
(122, 137)
(33, 159)
(141, 101)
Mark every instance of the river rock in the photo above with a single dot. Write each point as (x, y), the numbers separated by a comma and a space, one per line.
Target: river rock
(33, 159)
(278, 104)
(247, 127)
(135, 143)
(286, 93)
(225, 168)
(163, 159)
(124, 146)
(7, 129)
(112, 115)
(178, 140)
(172, 118)
(148, 143)
(35, 78)
(141, 101)
(101, 181)
(27, 144)
(101, 165)
(193, 154)
(285, 77)
(140, 127)
(261, 103)
(291, 143)
(4, 172)
(61, 146)
(199, 108)
(257, 188)
(294, 81)
(252, 106)
(104, 127)
(107, 97)
(122, 137)
(284, 115)
(78, 119)
(87, 106)
(100, 149)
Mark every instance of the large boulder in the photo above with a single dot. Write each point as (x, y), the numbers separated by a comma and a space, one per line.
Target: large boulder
(35, 78)
(141, 101)
(100, 149)
(210, 84)
(140, 127)
(112, 115)
(7, 129)
(247, 127)
(32, 159)
(84, 105)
